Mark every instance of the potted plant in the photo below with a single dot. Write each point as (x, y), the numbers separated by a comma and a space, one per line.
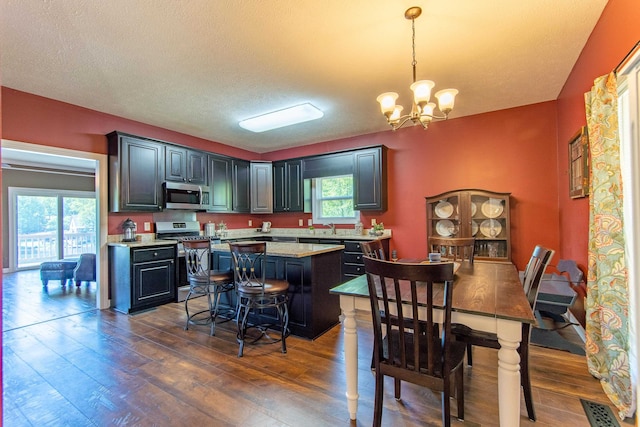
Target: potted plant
(377, 230)
(312, 230)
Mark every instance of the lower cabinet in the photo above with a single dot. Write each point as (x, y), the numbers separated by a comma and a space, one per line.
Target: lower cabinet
(312, 310)
(141, 277)
(352, 264)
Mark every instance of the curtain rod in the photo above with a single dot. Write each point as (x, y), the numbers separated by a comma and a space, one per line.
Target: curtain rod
(627, 56)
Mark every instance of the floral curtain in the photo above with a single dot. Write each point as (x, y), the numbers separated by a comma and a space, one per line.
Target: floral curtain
(607, 304)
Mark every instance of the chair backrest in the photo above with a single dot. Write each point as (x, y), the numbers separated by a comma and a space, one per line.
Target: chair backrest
(533, 273)
(454, 248)
(373, 249)
(569, 266)
(249, 263)
(197, 259)
(419, 348)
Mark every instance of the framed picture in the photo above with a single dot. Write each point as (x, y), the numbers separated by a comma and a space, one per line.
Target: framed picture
(579, 164)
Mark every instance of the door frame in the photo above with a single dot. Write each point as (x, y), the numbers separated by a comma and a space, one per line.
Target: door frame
(101, 193)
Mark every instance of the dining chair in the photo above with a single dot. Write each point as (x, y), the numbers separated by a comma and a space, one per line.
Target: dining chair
(530, 281)
(203, 280)
(413, 350)
(373, 249)
(453, 248)
(257, 293)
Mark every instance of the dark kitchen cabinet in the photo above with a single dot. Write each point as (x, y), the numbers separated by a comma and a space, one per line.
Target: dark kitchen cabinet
(141, 277)
(240, 185)
(370, 179)
(136, 173)
(184, 165)
(288, 186)
(220, 171)
(261, 187)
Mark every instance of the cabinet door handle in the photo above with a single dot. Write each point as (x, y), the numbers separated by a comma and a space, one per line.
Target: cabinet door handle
(155, 254)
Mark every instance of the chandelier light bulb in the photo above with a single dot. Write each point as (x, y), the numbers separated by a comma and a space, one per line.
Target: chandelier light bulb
(427, 112)
(395, 116)
(422, 91)
(446, 99)
(387, 102)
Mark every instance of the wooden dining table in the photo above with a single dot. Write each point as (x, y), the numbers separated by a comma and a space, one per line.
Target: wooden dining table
(487, 296)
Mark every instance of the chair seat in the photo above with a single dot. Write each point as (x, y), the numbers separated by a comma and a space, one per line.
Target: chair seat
(273, 287)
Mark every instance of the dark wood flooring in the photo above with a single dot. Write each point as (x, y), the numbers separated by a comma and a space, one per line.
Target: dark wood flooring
(68, 364)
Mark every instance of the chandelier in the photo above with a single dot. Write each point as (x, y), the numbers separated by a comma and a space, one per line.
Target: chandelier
(422, 111)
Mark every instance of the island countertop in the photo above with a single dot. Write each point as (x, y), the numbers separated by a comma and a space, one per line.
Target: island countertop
(285, 249)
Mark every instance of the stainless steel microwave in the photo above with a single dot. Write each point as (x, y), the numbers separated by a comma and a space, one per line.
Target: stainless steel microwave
(186, 196)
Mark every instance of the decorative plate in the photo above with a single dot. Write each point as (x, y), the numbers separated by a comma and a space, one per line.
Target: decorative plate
(445, 228)
(444, 209)
(474, 228)
(474, 209)
(490, 228)
(492, 208)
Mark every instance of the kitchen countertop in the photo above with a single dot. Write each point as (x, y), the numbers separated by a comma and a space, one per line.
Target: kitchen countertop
(144, 242)
(293, 250)
(301, 233)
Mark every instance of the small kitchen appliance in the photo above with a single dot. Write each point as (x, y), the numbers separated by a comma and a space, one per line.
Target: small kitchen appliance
(129, 230)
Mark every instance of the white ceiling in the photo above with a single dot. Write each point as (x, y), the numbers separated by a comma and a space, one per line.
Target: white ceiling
(200, 66)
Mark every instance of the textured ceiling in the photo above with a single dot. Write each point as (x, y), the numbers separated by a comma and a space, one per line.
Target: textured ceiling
(200, 66)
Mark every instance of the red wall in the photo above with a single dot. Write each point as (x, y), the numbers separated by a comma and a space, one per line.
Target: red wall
(617, 31)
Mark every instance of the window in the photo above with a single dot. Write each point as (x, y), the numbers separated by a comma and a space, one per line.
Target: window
(46, 225)
(333, 200)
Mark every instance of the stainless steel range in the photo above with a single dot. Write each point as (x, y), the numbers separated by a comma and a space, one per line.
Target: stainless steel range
(181, 231)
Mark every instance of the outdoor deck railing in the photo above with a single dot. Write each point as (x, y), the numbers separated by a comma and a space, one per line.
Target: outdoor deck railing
(37, 248)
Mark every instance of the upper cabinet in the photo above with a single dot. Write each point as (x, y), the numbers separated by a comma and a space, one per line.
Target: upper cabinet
(482, 214)
(240, 185)
(136, 173)
(229, 182)
(288, 188)
(370, 179)
(185, 165)
(261, 188)
(220, 183)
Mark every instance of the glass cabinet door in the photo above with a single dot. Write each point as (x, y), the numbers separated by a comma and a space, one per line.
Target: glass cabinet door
(473, 213)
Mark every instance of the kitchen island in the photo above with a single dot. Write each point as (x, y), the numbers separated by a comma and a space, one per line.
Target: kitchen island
(311, 270)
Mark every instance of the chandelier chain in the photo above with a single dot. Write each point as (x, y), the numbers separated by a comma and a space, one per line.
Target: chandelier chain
(413, 47)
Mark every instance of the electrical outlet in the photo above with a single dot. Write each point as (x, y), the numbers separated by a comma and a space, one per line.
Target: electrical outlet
(300, 222)
(373, 222)
(147, 226)
(309, 222)
(250, 223)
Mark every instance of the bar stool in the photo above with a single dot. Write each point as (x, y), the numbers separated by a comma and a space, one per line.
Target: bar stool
(266, 298)
(204, 281)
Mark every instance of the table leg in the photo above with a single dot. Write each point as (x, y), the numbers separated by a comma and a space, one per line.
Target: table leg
(347, 304)
(509, 336)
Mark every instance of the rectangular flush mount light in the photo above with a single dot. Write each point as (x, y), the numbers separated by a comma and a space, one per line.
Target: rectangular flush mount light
(281, 118)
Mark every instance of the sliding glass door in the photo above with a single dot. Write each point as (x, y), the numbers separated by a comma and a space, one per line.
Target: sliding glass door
(47, 225)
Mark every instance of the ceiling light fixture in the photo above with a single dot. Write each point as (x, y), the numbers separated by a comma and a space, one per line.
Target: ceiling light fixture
(281, 118)
(422, 109)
